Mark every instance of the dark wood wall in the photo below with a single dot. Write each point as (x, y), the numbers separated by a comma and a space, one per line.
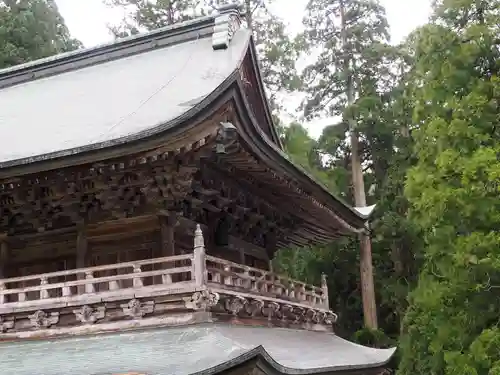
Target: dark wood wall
(127, 241)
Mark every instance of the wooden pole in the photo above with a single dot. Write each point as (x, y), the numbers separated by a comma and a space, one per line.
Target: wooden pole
(81, 254)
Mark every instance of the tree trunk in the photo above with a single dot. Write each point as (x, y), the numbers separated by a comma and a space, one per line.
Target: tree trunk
(366, 266)
(248, 14)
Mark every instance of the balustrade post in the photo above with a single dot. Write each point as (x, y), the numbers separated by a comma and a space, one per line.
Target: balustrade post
(44, 293)
(2, 296)
(89, 286)
(21, 297)
(66, 291)
(199, 261)
(227, 277)
(137, 278)
(324, 288)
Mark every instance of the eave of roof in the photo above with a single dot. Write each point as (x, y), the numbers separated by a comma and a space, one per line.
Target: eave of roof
(268, 150)
(194, 349)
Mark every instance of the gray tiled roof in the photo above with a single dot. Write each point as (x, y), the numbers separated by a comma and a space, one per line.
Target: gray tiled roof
(112, 101)
(188, 350)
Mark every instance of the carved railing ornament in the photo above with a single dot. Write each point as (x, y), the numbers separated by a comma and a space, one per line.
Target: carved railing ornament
(330, 318)
(137, 309)
(5, 325)
(234, 305)
(89, 315)
(202, 300)
(286, 312)
(271, 310)
(254, 307)
(40, 319)
(310, 315)
(299, 314)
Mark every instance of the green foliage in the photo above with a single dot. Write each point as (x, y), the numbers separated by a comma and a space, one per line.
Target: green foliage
(30, 30)
(150, 15)
(451, 326)
(378, 75)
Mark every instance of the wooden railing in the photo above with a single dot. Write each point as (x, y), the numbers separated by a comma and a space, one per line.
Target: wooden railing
(255, 281)
(152, 277)
(107, 279)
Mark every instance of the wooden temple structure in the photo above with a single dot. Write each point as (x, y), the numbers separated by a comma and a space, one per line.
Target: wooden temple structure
(143, 193)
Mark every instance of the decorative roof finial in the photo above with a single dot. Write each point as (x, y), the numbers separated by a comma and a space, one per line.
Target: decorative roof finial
(226, 23)
(199, 242)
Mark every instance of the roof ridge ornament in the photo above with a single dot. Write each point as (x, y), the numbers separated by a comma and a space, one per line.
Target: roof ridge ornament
(227, 22)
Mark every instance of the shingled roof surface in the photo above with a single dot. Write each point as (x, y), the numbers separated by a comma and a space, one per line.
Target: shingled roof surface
(190, 350)
(103, 96)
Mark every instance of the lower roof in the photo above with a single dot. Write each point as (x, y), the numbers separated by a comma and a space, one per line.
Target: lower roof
(196, 349)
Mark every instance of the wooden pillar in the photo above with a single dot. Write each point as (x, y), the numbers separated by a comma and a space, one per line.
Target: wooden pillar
(4, 255)
(81, 254)
(271, 246)
(168, 221)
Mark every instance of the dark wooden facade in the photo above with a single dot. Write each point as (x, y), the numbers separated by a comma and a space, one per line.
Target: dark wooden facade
(145, 202)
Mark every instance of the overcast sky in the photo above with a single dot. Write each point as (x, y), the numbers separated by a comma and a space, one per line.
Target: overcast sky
(88, 20)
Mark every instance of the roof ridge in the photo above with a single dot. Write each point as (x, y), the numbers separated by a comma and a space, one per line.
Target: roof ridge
(168, 35)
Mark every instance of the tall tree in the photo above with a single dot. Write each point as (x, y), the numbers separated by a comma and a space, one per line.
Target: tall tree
(150, 15)
(451, 326)
(352, 37)
(30, 30)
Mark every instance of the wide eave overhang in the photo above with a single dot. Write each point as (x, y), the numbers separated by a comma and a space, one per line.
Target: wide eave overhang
(155, 118)
(210, 348)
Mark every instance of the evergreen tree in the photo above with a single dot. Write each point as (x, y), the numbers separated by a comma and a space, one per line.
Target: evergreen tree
(150, 15)
(451, 326)
(30, 30)
(347, 80)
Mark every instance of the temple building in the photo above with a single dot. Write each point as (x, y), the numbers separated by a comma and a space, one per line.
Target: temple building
(143, 194)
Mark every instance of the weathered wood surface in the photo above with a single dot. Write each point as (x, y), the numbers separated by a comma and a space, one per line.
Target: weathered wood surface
(222, 273)
(192, 181)
(150, 289)
(203, 271)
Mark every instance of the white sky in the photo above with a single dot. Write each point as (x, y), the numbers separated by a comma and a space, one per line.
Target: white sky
(88, 19)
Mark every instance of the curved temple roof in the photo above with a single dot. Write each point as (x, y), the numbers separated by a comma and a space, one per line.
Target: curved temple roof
(195, 349)
(113, 101)
(126, 91)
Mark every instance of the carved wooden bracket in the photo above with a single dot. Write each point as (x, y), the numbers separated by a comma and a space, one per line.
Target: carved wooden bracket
(137, 309)
(201, 300)
(40, 319)
(235, 304)
(89, 315)
(5, 325)
(253, 307)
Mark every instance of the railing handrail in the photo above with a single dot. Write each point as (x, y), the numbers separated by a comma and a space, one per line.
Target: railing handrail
(106, 267)
(270, 273)
(94, 280)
